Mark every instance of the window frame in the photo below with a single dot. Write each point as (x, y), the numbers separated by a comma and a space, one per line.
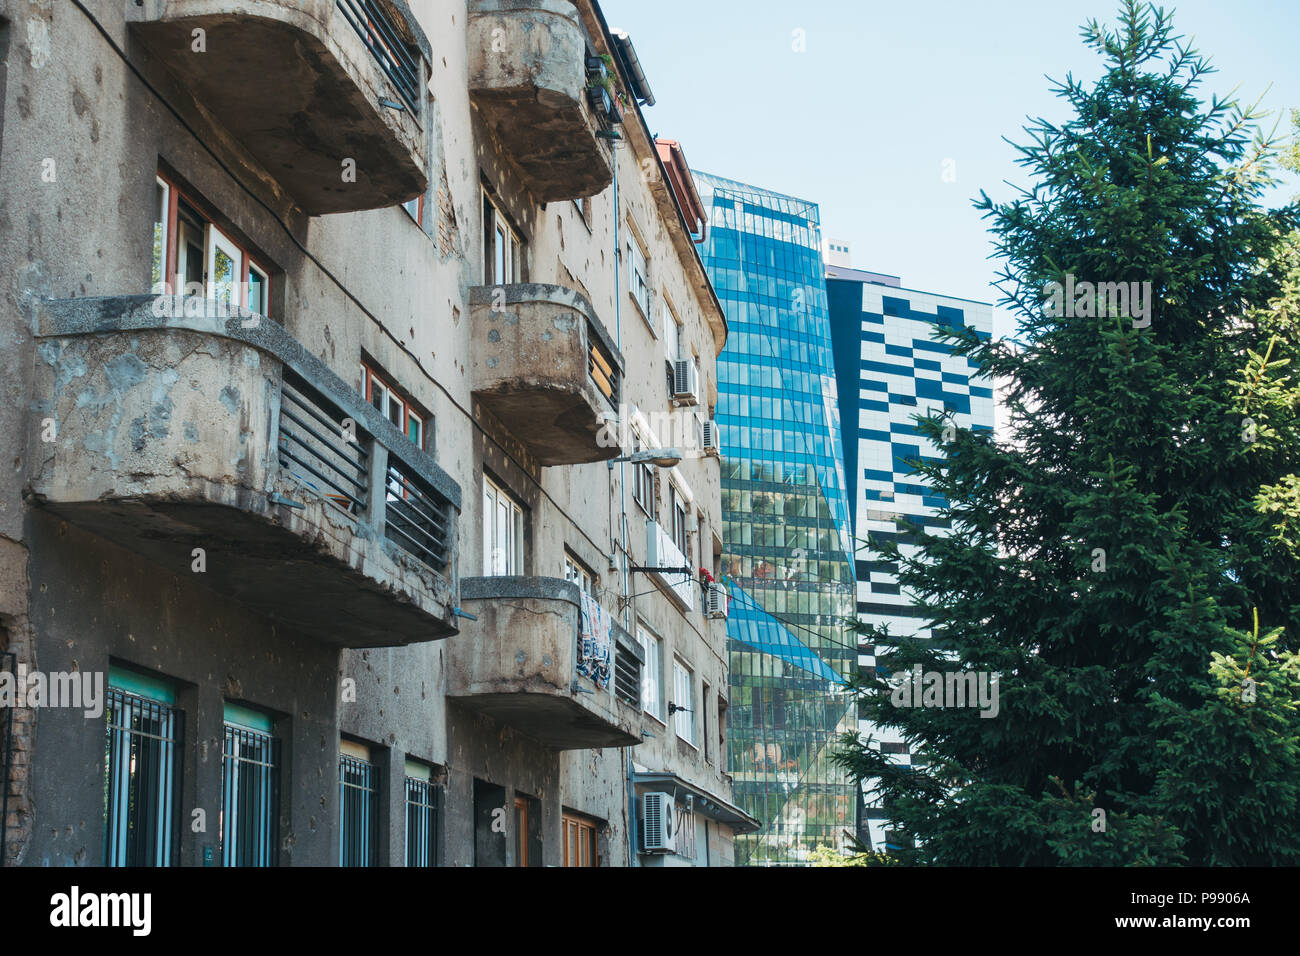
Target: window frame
(587, 832)
(651, 672)
(238, 728)
(494, 496)
(143, 697)
(176, 197)
(369, 380)
(683, 670)
(638, 281)
(498, 224)
(578, 573)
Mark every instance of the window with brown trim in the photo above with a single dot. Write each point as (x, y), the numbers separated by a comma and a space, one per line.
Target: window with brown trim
(580, 841)
(195, 257)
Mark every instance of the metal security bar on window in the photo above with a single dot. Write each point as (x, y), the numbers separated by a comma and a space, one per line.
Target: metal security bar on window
(417, 518)
(357, 805)
(142, 781)
(423, 822)
(6, 755)
(627, 675)
(250, 798)
(315, 445)
(371, 21)
(603, 371)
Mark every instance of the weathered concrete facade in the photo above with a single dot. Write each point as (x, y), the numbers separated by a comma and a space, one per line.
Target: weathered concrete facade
(316, 481)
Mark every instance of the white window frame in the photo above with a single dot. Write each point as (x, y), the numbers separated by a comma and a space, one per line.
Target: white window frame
(218, 241)
(511, 254)
(651, 673)
(261, 306)
(684, 696)
(578, 574)
(162, 238)
(503, 532)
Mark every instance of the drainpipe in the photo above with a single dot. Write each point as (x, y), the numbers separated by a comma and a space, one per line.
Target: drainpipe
(632, 859)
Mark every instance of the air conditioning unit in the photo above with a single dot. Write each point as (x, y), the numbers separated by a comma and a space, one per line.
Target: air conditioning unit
(715, 602)
(711, 439)
(686, 383)
(658, 822)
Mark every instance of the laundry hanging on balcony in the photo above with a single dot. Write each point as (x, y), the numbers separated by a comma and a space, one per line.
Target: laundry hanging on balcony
(595, 641)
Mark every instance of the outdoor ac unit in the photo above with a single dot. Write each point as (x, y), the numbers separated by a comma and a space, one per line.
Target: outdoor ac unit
(715, 602)
(686, 384)
(711, 442)
(658, 818)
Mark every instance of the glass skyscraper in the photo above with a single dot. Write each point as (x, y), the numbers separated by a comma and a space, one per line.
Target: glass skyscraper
(787, 532)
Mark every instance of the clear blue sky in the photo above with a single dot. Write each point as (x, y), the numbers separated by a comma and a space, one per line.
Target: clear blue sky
(862, 121)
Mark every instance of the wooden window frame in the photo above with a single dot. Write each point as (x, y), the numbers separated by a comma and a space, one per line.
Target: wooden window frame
(588, 833)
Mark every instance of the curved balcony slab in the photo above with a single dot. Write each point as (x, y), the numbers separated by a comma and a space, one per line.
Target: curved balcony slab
(175, 432)
(518, 664)
(538, 351)
(299, 87)
(528, 77)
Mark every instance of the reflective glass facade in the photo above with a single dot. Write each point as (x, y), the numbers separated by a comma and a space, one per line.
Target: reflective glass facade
(788, 550)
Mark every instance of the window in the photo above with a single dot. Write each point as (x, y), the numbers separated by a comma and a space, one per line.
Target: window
(528, 831)
(392, 406)
(502, 262)
(142, 764)
(684, 701)
(161, 220)
(194, 257)
(678, 515)
(672, 335)
(704, 713)
(503, 532)
(581, 203)
(358, 805)
(651, 674)
(423, 816)
(637, 283)
(643, 482)
(250, 789)
(579, 841)
(578, 574)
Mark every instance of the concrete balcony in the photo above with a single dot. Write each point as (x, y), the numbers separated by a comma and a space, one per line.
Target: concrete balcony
(546, 367)
(305, 85)
(518, 663)
(528, 78)
(167, 432)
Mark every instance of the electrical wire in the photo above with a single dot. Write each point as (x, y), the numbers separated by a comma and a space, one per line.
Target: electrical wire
(121, 55)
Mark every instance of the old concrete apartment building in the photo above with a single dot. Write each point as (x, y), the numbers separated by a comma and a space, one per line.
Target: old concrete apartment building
(361, 499)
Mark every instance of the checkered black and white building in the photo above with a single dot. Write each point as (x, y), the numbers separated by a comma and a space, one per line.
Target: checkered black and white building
(885, 355)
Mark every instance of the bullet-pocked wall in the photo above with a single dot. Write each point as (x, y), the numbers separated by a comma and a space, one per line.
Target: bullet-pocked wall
(263, 523)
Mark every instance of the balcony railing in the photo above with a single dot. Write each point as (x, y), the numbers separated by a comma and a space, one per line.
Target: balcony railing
(345, 529)
(416, 517)
(318, 445)
(377, 31)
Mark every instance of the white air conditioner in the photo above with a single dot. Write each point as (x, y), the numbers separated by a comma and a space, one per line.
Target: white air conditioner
(711, 439)
(686, 383)
(715, 602)
(658, 823)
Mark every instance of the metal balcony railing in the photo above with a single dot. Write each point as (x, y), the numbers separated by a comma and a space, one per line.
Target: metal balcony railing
(417, 518)
(603, 369)
(321, 445)
(371, 21)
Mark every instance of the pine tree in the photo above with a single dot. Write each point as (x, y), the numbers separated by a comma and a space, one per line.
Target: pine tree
(1115, 556)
